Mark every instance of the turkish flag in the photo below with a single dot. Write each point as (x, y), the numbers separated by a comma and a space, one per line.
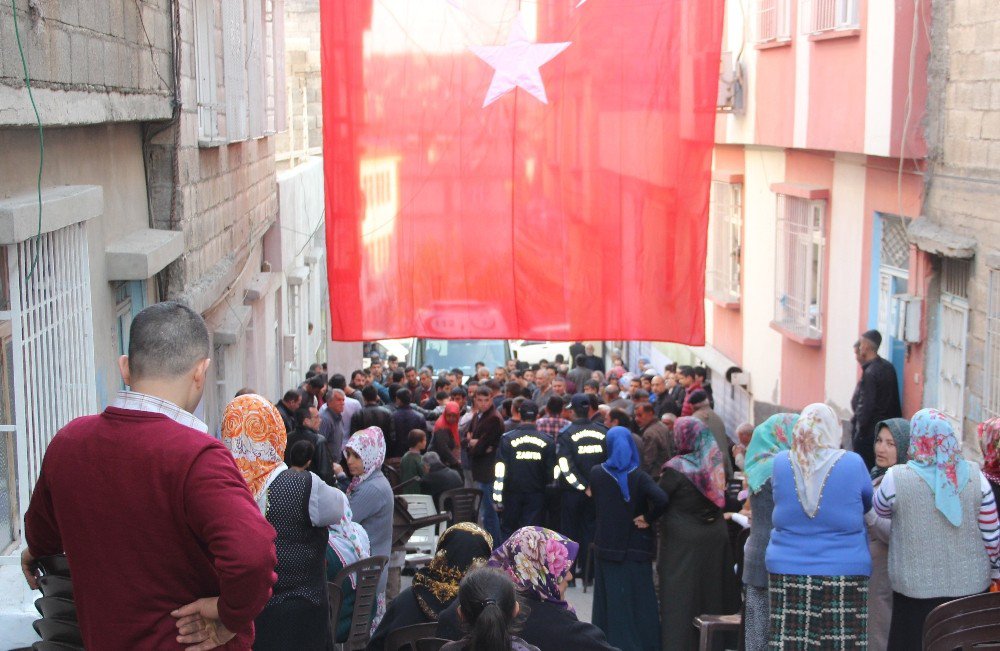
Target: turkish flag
(539, 171)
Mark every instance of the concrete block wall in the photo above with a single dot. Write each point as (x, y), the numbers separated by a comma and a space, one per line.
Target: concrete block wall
(90, 61)
(963, 179)
(302, 70)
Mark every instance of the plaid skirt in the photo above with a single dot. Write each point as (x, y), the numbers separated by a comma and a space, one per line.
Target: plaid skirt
(818, 612)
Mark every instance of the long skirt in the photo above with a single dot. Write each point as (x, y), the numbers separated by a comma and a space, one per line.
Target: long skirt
(818, 612)
(756, 618)
(292, 624)
(908, 615)
(625, 604)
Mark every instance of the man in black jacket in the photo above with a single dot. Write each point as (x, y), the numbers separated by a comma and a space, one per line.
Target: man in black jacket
(581, 446)
(404, 419)
(307, 429)
(374, 414)
(523, 469)
(482, 442)
(876, 397)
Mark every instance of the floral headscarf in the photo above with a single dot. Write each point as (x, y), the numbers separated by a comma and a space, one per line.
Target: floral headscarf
(537, 560)
(936, 455)
(699, 459)
(369, 444)
(900, 430)
(349, 541)
(451, 407)
(815, 451)
(623, 457)
(989, 441)
(459, 548)
(769, 438)
(253, 431)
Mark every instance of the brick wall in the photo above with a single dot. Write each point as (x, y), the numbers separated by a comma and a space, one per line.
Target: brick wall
(963, 179)
(302, 70)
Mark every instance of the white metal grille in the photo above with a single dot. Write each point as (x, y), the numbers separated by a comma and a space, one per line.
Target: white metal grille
(726, 217)
(8, 435)
(895, 248)
(955, 277)
(826, 15)
(234, 35)
(991, 365)
(773, 20)
(799, 281)
(953, 326)
(205, 62)
(53, 342)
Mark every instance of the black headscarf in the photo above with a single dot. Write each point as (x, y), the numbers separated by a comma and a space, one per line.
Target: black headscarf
(459, 548)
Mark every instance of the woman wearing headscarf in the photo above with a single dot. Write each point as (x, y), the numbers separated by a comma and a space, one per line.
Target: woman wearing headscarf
(445, 439)
(695, 562)
(347, 543)
(944, 540)
(371, 499)
(989, 441)
(627, 500)
(460, 548)
(538, 560)
(768, 439)
(300, 507)
(892, 442)
(818, 556)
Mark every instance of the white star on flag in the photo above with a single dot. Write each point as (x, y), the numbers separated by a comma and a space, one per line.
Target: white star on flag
(516, 63)
(580, 4)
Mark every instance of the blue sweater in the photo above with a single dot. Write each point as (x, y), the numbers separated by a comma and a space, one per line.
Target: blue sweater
(835, 542)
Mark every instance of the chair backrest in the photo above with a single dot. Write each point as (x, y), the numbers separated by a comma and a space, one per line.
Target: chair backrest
(56, 608)
(368, 571)
(53, 585)
(55, 646)
(963, 623)
(463, 504)
(391, 473)
(422, 506)
(405, 638)
(56, 630)
(57, 565)
(430, 644)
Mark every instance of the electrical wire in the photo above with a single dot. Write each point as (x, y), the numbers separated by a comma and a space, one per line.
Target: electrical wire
(41, 138)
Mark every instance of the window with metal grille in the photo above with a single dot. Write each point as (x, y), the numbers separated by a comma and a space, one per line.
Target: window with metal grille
(953, 328)
(726, 215)
(773, 20)
(826, 15)
(9, 512)
(205, 62)
(991, 364)
(799, 269)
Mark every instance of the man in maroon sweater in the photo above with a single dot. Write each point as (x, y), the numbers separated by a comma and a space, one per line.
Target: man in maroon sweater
(166, 545)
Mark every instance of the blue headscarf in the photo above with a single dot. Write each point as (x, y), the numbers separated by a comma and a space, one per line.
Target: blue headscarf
(936, 455)
(623, 457)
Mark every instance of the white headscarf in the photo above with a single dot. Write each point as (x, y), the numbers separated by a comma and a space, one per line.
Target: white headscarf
(815, 450)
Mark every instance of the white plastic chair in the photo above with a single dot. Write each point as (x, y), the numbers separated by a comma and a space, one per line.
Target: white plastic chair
(423, 543)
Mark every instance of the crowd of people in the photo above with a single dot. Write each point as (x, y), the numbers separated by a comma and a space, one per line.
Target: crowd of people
(626, 480)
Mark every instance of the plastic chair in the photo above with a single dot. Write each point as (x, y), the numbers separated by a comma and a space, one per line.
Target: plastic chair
(57, 630)
(405, 525)
(56, 608)
(57, 565)
(425, 538)
(463, 503)
(406, 638)
(963, 623)
(711, 625)
(53, 585)
(54, 646)
(431, 644)
(368, 571)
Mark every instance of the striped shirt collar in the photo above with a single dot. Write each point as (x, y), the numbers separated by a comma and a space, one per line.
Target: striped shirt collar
(135, 401)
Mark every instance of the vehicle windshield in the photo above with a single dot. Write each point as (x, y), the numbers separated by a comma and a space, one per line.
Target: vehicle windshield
(448, 354)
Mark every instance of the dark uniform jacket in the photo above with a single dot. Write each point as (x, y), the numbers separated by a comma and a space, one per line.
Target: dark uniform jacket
(580, 447)
(524, 462)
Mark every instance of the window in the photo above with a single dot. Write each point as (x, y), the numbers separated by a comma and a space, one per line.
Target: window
(725, 214)
(799, 270)
(953, 327)
(205, 62)
(130, 299)
(827, 15)
(991, 365)
(774, 20)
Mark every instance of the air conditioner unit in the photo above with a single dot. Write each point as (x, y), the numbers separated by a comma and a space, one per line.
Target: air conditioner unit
(906, 314)
(730, 98)
(289, 349)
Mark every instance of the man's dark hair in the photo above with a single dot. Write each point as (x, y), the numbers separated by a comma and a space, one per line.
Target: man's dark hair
(686, 371)
(506, 408)
(459, 391)
(457, 371)
(392, 358)
(370, 394)
(515, 405)
(592, 384)
(411, 368)
(393, 389)
(581, 411)
(356, 374)
(493, 385)
(640, 393)
(397, 376)
(441, 384)
(311, 374)
(700, 371)
(621, 416)
(301, 416)
(338, 381)
(316, 382)
(555, 406)
(404, 397)
(593, 402)
(580, 360)
(560, 359)
(415, 436)
(441, 396)
(671, 367)
(166, 340)
(291, 396)
(484, 391)
(479, 365)
(512, 389)
(300, 453)
(645, 408)
(245, 391)
(535, 368)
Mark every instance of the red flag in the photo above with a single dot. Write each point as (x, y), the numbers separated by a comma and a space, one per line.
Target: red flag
(581, 218)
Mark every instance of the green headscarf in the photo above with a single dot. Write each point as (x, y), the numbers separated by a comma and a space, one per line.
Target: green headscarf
(769, 438)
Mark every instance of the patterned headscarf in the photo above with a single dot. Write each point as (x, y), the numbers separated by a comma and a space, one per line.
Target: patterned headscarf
(369, 444)
(349, 541)
(699, 459)
(815, 450)
(989, 441)
(900, 430)
(936, 455)
(769, 438)
(537, 560)
(459, 548)
(253, 431)
(623, 457)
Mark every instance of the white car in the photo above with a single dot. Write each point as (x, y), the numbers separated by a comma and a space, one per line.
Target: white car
(533, 352)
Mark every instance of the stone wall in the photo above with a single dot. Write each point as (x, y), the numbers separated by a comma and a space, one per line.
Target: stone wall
(302, 70)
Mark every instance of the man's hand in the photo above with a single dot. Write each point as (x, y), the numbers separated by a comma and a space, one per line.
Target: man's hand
(28, 567)
(640, 522)
(198, 624)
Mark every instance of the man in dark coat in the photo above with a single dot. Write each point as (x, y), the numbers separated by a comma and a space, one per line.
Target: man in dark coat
(876, 398)
(374, 414)
(482, 443)
(307, 423)
(404, 419)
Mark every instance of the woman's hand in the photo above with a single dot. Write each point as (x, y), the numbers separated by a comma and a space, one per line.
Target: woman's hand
(198, 623)
(640, 522)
